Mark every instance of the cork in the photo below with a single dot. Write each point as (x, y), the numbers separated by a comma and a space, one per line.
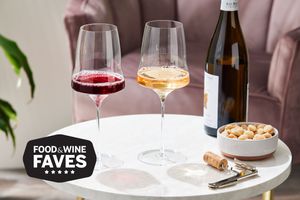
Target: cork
(215, 161)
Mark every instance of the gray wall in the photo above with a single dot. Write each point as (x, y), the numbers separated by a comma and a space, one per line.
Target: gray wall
(37, 26)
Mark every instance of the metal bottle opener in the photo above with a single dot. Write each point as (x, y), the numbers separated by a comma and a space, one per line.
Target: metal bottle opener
(245, 171)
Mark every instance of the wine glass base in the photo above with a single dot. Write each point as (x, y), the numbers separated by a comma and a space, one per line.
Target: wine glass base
(154, 157)
(107, 161)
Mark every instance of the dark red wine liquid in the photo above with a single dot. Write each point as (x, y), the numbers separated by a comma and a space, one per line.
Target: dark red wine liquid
(99, 83)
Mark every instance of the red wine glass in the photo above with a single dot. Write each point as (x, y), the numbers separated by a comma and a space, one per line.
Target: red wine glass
(98, 73)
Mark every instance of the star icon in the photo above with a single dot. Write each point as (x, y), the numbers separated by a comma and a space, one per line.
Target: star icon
(46, 172)
(66, 171)
(52, 172)
(59, 171)
(72, 172)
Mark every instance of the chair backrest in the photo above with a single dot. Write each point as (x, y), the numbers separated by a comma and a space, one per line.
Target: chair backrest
(200, 18)
(263, 21)
(158, 10)
(125, 14)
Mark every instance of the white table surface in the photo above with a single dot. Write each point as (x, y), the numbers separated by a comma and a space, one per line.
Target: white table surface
(126, 136)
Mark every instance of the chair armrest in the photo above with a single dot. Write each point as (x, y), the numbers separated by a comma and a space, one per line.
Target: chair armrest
(284, 84)
(284, 64)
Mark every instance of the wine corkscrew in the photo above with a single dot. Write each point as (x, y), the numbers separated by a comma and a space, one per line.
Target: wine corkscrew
(240, 170)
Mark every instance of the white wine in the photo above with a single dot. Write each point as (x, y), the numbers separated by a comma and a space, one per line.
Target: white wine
(226, 72)
(163, 80)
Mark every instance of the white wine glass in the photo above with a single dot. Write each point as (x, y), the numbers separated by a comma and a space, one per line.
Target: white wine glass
(163, 69)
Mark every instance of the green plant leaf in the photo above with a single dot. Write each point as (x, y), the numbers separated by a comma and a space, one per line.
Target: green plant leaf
(3, 127)
(15, 63)
(7, 113)
(17, 59)
(8, 110)
(12, 134)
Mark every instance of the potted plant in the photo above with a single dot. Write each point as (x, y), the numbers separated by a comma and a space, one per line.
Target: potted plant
(18, 62)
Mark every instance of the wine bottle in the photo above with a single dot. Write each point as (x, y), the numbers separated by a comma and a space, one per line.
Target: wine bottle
(226, 72)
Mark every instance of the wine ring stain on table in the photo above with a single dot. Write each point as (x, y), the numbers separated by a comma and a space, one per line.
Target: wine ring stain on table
(127, 179)
(196, 174)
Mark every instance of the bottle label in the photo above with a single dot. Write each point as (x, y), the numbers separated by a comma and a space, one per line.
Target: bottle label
(210, 101)
(229, 5)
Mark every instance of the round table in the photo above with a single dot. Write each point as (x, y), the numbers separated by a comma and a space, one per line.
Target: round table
(127, 136)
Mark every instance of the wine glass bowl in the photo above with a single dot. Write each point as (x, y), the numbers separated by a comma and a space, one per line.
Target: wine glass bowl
(163, 69)
(163, 80)
(98, 73)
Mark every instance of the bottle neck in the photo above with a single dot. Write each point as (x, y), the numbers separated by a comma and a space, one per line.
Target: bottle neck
(229, 19)
(229, 15)
(229, 5)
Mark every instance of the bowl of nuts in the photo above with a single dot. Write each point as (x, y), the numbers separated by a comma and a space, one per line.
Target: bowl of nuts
(247, 140)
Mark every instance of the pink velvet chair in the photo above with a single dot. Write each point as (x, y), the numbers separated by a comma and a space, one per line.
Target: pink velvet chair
(271, 29)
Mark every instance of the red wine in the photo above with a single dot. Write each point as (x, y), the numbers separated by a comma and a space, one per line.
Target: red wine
(99, 83)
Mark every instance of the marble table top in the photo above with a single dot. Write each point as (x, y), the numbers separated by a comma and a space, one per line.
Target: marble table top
(127, 136)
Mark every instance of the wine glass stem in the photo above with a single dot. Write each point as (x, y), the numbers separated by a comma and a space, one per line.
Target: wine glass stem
(162, 145)
(98, 118)
(99, 156)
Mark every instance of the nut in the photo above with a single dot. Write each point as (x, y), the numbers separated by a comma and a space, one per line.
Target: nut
(258, 137)
(230, 126)
(267, 135)
(252, 128)
(244, 126)
(260, 131)
(225, 133)
(243, 137)
(268, 128)
(237, 131)
(248, 131)
(249, 134)
(260, 125)
(232, 136)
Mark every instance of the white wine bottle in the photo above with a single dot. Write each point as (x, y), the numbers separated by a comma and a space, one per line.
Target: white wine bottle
(226, 72)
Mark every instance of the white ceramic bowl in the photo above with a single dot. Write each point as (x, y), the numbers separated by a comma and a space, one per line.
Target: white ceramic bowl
(247, 149)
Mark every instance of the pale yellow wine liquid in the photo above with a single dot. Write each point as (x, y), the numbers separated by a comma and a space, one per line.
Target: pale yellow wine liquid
(163, 80)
